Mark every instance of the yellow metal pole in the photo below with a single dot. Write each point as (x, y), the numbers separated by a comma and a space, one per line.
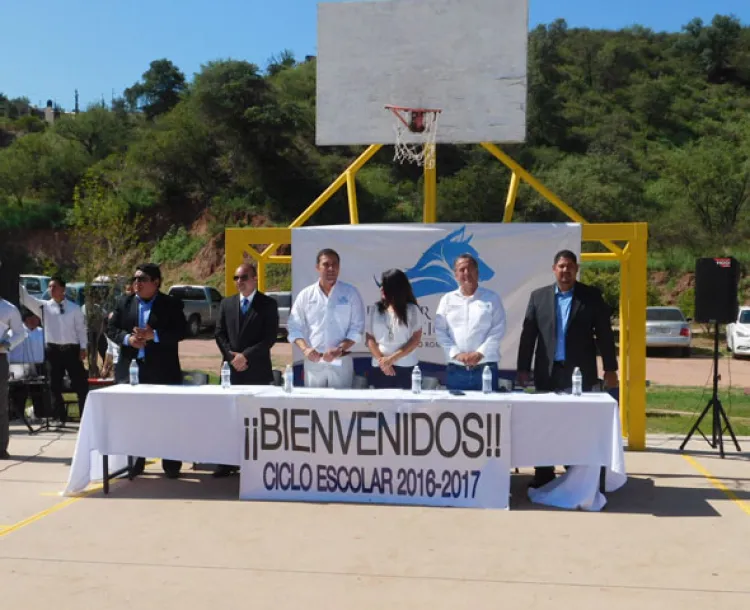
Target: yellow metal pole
(510, 202)
(262, 275)
(351, 191)
(637, 334)
(542, 190)
(329, 192)
(429, 214)
(624, 340)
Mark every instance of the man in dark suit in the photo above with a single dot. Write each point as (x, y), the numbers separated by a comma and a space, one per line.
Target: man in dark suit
(245, 333)
(563, 326)
(149, 325)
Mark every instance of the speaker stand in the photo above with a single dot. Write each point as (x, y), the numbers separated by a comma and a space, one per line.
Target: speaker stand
(719, 420)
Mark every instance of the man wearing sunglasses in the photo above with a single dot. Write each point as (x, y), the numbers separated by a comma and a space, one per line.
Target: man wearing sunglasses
(245, 333)
(148, 325)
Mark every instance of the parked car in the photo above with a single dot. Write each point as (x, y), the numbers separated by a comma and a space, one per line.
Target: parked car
(284, 301)
(668, 327)
(201, 306)
(738, 334)
(104, 294)
(35, 284)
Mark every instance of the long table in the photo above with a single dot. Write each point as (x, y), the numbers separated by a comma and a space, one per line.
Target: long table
(200, 424)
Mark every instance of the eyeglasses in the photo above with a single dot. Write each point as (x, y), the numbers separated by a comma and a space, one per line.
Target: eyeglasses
(62, 308)
(141, 278)
(242, 277)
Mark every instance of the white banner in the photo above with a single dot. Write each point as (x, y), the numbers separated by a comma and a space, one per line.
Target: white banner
(316, 449)
(514, 259)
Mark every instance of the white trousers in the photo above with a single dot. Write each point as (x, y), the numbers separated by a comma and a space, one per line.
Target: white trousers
(324, 375)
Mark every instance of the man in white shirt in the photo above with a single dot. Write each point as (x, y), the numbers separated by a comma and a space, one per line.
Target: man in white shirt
(469, 325)
(327, 319)
(12, 334)
(66, 339)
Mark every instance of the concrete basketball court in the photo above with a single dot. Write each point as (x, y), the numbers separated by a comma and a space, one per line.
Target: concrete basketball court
(676, 534)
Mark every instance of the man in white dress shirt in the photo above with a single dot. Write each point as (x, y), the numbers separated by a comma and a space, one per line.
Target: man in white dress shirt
(469, 324)
(327, 318)
(66, 339)
(12, 334)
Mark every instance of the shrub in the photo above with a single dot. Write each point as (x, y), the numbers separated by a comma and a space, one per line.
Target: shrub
(177, 246)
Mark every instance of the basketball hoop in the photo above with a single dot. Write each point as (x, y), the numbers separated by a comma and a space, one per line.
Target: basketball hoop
(422, 123)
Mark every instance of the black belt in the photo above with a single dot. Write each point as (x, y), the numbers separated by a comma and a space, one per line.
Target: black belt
(560, 363)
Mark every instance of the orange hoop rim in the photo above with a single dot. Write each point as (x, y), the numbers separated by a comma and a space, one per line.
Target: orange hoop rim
(410, 109)
(397, 110)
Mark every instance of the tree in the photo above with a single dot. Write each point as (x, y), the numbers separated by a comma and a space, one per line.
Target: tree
(107, 239)
(715, 45)
(279, 63)
(16, 175)
(99, 131)
(159, 90)
(545, 123)
(705, 187)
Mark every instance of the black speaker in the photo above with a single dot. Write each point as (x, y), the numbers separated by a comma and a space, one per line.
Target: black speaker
(716, 284)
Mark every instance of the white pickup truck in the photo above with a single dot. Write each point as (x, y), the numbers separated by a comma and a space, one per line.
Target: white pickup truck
(201, 306)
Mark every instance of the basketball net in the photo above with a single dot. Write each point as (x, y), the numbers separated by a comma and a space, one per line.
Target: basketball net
(421, 123)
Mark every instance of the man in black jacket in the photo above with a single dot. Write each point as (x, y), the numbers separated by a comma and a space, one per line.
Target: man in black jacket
(148, 327)
(245, 333)
(564, 324)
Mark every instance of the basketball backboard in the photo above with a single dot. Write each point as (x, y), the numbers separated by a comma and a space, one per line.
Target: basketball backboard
(467, 57)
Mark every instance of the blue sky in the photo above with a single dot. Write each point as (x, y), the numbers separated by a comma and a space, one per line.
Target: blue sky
(51, 47)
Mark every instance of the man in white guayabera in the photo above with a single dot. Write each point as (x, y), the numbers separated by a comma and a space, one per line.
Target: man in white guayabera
(327, 318)
(469, 324)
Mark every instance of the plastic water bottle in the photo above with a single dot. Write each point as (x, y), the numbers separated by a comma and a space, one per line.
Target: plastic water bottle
(133, 371)
(487, 380)
(288, 379)
(226, 375)
(577, 382)
(416, 380)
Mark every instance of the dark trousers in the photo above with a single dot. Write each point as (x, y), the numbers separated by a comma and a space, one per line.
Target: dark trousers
(469, 379)
(4, 416)
(381, 381)
(62, 359)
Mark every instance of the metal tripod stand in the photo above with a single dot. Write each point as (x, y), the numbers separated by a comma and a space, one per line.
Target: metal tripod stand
(719, 420)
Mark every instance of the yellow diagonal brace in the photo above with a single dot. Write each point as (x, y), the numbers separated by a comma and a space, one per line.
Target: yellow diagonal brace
(329, 192)
(542, 190)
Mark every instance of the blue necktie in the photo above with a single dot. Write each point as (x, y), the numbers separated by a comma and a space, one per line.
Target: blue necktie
(245, 306)
(142, 323)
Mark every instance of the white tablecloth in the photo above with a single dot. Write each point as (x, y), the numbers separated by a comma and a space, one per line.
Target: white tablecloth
(199, 424)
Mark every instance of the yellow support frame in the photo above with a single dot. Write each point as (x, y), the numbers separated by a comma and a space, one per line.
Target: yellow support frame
(631, 256)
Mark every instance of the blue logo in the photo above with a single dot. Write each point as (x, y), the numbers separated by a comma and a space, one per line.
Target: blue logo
(433, 273)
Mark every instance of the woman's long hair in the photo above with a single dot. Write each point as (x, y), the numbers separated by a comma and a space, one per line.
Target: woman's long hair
(397, 293)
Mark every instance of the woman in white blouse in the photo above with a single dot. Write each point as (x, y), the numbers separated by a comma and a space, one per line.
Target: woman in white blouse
(394, 330)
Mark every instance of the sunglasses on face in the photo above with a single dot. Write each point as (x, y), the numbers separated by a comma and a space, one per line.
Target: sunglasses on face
(242, 277)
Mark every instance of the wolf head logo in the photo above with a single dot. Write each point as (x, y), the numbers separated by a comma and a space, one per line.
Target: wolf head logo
(433, 273)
